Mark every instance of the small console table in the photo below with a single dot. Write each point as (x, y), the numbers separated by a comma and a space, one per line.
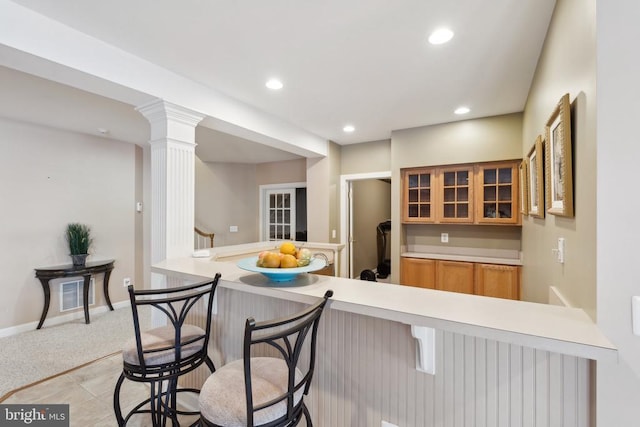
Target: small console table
(45, 274)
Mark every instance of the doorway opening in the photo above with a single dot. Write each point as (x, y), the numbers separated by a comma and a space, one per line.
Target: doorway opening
(365, 203)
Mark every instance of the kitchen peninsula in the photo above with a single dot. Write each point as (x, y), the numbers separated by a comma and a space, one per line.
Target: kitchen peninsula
(488, 352)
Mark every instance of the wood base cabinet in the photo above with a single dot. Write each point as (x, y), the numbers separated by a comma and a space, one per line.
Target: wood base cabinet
(418, 272)
(454, 276)
(500, 281)
(491, 280)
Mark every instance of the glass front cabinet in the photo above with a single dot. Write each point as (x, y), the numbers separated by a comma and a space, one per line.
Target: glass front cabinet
(497, 185)
(417, 195)
(483, 193)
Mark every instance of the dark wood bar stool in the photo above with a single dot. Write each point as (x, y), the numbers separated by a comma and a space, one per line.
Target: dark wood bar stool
(160, 355)
(265, 391)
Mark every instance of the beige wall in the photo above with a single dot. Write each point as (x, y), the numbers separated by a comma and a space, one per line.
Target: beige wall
(50, 178)
(366, 157)
(227, 194)
(566, 65)
(281, 172)
(323, 176)
(470, 141)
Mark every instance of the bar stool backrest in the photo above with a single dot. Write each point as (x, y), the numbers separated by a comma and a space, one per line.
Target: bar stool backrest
(287, 335)
(171, 357)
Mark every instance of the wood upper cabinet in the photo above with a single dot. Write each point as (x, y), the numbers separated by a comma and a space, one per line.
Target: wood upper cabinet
(455, 276)
(418, 272)
(483, 193)
(455, 195)
(500, 281)
(497, 193)
(418, 205)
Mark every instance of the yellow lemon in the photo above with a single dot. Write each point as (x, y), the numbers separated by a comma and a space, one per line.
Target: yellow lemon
(288, 261)
(288, 248)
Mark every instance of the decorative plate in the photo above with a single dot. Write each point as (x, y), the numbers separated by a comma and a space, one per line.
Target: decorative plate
(280, 274)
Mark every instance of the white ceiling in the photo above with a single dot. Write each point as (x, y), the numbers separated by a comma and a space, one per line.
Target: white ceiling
(362, 62)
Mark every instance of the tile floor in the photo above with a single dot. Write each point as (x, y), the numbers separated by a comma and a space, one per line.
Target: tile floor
(89, 392)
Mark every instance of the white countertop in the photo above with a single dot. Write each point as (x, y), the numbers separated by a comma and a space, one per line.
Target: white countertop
(480, 255)
(541, 326)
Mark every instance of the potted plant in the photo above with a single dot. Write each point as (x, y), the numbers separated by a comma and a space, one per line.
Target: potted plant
(79, 239)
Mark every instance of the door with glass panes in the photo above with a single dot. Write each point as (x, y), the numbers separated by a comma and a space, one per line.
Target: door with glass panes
(280, 220)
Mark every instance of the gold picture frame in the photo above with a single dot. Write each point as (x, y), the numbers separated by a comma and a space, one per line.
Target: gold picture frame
(535, 171)
(524, 187)
(558, 167)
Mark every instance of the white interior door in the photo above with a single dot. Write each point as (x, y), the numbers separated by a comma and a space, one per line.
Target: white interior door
(280, 214)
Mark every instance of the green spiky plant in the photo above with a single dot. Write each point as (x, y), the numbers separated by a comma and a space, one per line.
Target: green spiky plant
(79, 238)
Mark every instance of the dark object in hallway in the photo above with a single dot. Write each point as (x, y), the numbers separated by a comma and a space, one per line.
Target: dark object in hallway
(384, 263)
(368, 275)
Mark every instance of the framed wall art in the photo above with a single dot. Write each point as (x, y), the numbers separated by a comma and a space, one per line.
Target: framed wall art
(558, 153)
(535, 171)
(524, 187)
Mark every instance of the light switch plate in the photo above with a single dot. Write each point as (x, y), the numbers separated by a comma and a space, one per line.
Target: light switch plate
(444, 237)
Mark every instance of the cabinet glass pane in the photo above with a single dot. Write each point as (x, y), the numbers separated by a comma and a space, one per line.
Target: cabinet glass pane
(504, 193)
(413, 195)
(425, 195)
(489, 176)
(449, 210)
(413, 181)
(489, 194)
(449, 194)
(504, 176)
(463, 210)
(463, 194)
(425, 180)
(463, 178)
(489, 210)
(504, 210)
(425, 211)
(413, 211)
(449, 179)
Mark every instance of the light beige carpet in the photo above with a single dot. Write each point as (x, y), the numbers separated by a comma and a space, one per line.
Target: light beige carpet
(35, 355)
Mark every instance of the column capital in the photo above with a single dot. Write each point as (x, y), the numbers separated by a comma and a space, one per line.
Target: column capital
(170, 121)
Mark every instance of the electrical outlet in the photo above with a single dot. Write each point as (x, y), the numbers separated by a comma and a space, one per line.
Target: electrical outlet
(444, 237)
(126, 281)
(233, 229)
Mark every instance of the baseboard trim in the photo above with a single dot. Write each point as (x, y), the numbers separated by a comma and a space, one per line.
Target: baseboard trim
(58, 320)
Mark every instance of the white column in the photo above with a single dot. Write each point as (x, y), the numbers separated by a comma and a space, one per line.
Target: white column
(172, 179)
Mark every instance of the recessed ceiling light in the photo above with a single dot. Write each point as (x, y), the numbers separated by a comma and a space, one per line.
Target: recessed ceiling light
(462, 110)
(348, 128)
(103, 131)
(274, 84)
(441, 35)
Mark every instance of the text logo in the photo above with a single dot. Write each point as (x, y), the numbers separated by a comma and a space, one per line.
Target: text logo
(34, 415)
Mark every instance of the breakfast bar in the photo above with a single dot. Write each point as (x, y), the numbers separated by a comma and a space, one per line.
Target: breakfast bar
(410, 356)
